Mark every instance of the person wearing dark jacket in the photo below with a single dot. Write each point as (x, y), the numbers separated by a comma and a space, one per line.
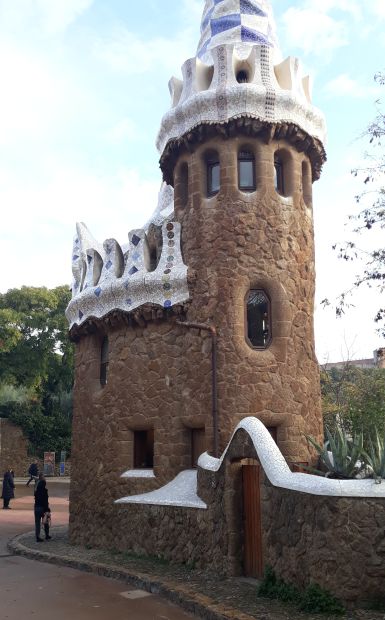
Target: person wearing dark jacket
(33, 472)
(8, 489)
(41, 509)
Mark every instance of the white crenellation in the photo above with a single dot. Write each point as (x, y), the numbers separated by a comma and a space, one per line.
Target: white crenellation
(107, 277)
(210, 93)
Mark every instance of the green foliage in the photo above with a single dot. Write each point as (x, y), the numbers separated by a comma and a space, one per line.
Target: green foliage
(353, 399)
(274, 588)
(313, 600)
(318, 601)
(375, 457)
(36, 365)
(347, 455)
(45, 433)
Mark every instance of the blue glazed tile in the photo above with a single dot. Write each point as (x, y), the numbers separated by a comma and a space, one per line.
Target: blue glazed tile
(221, 24)
(108, 265)
(135, 239)
(75, 257)
(81, 315)
(98, 291)
(248, 35)
(167, 304)
(136, 256)
(250, 7)
(133, 270)
(129, 302)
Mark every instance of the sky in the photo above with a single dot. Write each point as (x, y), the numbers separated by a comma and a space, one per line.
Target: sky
(83, 91)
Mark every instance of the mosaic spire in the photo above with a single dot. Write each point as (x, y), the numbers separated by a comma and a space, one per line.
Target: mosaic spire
(241, 22)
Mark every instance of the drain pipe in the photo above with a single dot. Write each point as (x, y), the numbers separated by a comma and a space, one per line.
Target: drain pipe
(214, 386)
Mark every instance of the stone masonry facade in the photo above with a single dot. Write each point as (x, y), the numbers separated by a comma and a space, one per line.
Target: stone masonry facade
(335, 542)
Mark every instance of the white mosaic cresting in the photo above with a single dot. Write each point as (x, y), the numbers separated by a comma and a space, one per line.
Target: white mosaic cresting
(182, 491)
(209, 92)
(110, 276)
(280, 475)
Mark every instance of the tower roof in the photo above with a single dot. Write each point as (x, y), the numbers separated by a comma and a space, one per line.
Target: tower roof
(237, 72)
(242, 22)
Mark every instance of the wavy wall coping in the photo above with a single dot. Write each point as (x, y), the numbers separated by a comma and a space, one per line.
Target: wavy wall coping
(280, 475)
(182, 491)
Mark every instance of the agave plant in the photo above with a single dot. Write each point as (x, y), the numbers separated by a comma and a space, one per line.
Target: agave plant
(375, 457)
(342, 456)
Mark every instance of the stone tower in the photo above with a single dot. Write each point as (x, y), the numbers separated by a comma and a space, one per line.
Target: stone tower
(205, 316)
(242, 145)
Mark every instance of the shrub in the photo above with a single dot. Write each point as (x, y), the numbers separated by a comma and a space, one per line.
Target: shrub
(313, 600)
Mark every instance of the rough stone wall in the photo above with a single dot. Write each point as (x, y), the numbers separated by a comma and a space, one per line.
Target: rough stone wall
(338, 543)
(335, 542)
(13, 448)
(147, 387)
(235, 241)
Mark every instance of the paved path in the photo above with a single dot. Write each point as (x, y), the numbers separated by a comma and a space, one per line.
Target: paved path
(31, 589)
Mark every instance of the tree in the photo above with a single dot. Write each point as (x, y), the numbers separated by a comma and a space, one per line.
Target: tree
(371, 215)
(353, 400)
(36, 365)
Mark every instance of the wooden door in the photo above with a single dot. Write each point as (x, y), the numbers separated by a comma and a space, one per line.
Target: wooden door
(252, 556)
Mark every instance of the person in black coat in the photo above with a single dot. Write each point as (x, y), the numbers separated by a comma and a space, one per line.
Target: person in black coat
(41, 508)
(33, 472)
(8, 489)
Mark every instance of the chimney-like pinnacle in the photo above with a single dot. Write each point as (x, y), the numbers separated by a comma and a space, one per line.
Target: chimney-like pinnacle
(240, 22)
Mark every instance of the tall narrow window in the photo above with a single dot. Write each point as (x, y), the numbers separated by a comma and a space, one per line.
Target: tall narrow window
(306, 183)
(246, 171)
(183, 184)
(213, 174)
(104, 361)
(258, 319)
(144, 449)
(279, 179)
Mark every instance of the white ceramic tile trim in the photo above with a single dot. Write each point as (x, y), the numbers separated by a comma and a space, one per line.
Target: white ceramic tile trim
(279, 474)
(182, 491)
(138, 473)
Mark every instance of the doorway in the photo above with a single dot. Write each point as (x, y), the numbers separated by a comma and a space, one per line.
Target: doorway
(252, 544)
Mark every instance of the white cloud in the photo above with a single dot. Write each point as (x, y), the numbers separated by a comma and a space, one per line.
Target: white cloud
(377, 7)
(313, 30)
(344, 86)
(35, 243)
(124, 131)
(31, 92)
(48, 16)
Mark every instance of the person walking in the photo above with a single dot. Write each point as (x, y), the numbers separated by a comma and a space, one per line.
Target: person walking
(8, 489)
(42, 509)
(33, 472)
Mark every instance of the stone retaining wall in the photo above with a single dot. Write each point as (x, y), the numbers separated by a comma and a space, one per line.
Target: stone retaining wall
(336, 542)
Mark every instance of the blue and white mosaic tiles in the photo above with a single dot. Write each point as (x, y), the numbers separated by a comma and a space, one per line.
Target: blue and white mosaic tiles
(112, 277)
(239, 36)
(238, 22)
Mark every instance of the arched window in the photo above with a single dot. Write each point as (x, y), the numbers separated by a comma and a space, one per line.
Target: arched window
(242, 77)
(279, 176)
(246, 171)
(213, 173)
(258, 313)
(104, 360)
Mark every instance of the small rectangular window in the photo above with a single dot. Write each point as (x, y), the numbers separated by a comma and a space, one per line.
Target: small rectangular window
(104, 360)
(144, 449)
(213, 178)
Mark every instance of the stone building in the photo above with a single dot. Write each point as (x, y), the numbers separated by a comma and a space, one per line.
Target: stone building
(195, 339)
